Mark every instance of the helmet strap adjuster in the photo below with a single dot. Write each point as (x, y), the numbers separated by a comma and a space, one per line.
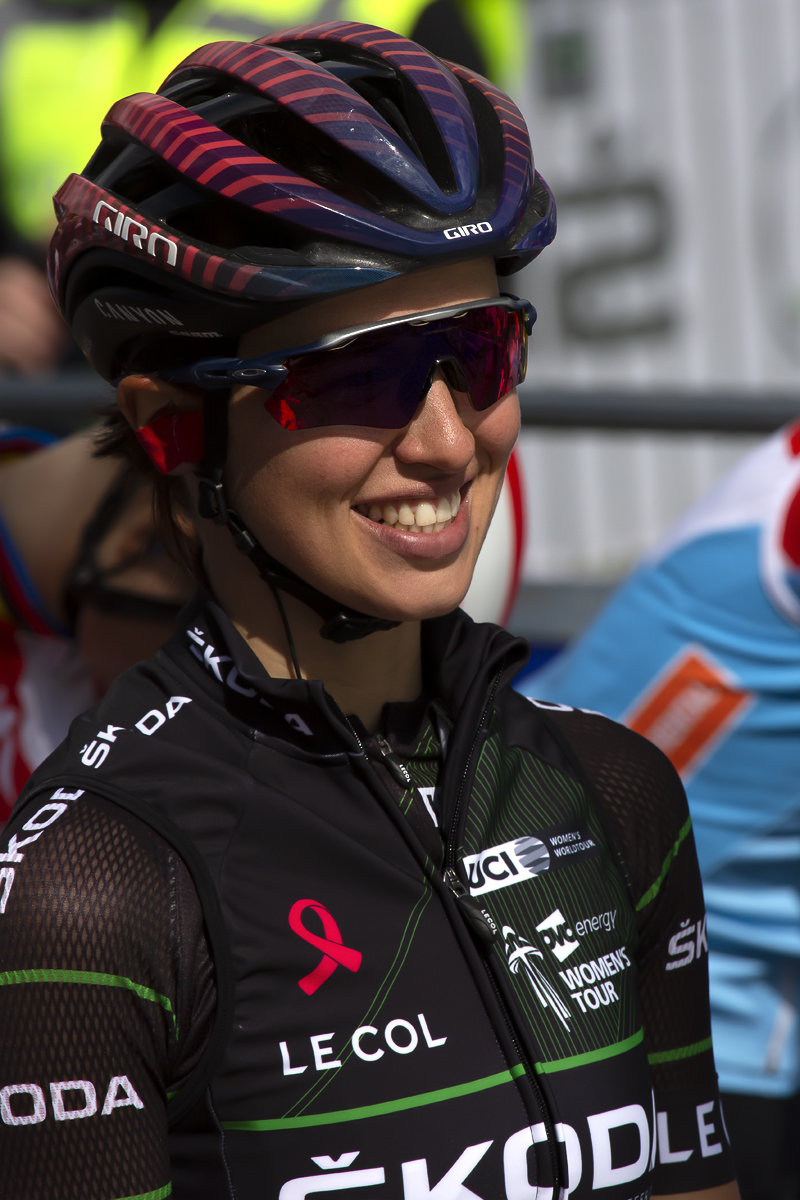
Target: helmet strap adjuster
(211, 501)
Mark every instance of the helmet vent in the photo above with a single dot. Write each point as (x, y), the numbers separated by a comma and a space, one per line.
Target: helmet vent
(394, 103)
(137, 175)
(310, 153)
(394, 97)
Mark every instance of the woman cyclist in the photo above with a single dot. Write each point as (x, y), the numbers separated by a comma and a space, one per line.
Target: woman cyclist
(313, 901)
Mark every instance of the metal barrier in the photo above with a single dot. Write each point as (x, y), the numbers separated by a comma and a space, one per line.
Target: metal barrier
(58, 403)
(69, 400)
(678, 410)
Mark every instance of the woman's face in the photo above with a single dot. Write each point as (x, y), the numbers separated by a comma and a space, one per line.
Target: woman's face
(326, 502)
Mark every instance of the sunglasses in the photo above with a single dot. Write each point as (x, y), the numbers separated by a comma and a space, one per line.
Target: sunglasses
(376, 375)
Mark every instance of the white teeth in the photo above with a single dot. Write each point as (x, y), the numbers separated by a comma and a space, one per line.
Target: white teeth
(424, 516)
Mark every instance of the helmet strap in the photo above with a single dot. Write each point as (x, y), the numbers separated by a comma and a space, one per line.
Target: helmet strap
(341, 624)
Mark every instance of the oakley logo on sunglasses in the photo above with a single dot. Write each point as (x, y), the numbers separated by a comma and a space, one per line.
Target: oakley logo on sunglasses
(457, 231)
(129, 228)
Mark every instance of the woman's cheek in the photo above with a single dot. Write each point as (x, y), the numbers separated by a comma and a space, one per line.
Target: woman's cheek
(308, 483)
(498, 429)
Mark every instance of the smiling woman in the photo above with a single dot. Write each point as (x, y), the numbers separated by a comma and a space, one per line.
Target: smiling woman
(322, 805)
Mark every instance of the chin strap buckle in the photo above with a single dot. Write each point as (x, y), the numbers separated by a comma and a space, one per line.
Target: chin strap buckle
(211, 501)
(349, 626)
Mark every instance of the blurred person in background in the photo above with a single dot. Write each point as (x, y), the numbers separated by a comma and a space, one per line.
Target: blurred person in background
(699, 650)
(86, 589)
(63, 64)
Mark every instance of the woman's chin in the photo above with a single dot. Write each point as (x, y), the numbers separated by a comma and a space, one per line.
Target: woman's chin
(422, 602)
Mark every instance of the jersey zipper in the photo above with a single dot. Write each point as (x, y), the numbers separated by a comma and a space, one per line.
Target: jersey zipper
(477, 917)
(451, 841)
(393, 762)
(480, 921)
(486, 929)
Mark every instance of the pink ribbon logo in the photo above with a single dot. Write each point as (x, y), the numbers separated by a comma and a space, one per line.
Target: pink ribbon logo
(334, 953)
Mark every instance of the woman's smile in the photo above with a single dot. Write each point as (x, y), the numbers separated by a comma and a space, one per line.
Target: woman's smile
(413, 515)
(433, 527)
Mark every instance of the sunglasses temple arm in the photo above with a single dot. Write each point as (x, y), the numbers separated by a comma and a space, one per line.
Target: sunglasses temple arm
(213, 373)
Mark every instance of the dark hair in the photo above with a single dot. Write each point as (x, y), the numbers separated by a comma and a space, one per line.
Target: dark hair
(114, 438)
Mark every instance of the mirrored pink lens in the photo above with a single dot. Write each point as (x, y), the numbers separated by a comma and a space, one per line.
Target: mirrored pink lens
(379, 379)
(491, 351)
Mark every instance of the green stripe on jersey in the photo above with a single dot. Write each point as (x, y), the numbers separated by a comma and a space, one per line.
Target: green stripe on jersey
(378, 1110)
(97, 978)
(662, 1056)
(158, 1194)
(591, 1056)
(654, 888)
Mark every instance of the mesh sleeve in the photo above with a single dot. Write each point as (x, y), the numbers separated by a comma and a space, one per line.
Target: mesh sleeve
(106, 1000)
(646, 815)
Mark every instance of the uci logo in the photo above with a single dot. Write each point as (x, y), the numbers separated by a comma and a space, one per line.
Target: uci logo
(458, 231)
(500, 866)
(128, 227)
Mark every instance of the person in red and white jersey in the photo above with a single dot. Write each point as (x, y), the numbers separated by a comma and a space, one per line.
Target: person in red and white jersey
(86, 589)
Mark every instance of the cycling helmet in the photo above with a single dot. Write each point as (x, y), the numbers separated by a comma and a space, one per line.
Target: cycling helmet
(271, 174)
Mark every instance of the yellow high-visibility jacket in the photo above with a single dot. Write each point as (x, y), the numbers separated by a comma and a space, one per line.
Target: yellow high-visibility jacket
(61, 69)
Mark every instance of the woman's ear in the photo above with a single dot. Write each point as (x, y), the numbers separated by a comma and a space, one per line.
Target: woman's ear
(167, 421)
(140, 397)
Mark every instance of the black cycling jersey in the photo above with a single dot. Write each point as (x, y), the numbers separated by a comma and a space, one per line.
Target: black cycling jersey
(248, 950)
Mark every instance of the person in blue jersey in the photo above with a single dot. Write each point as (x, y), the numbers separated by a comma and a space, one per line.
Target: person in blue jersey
(699, 650)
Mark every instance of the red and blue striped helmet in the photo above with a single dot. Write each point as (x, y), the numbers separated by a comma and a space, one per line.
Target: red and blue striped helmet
(271, 174)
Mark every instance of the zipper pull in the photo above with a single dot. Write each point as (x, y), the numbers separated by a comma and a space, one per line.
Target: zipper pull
(393, 764)
(479, 920)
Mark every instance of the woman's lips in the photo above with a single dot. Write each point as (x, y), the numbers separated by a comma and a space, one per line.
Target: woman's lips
(422, 545)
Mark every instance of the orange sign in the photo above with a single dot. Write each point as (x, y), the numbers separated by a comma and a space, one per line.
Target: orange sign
(691, 704)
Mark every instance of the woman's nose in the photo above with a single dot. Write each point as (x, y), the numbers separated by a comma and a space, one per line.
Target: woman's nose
(437, 435)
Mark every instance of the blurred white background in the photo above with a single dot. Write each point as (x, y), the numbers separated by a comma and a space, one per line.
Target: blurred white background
(669, 131)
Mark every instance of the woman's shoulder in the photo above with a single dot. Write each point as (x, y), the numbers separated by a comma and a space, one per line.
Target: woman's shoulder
(79, 872)
(638, 791)
(93, 898)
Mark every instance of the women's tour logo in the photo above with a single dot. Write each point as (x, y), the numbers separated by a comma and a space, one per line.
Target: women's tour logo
(521, 955)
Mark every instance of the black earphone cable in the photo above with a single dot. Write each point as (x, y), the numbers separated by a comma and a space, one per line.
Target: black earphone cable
(287, 629)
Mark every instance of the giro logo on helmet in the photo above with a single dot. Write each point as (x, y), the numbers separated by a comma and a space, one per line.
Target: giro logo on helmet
(458, 231)
(129, 228)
